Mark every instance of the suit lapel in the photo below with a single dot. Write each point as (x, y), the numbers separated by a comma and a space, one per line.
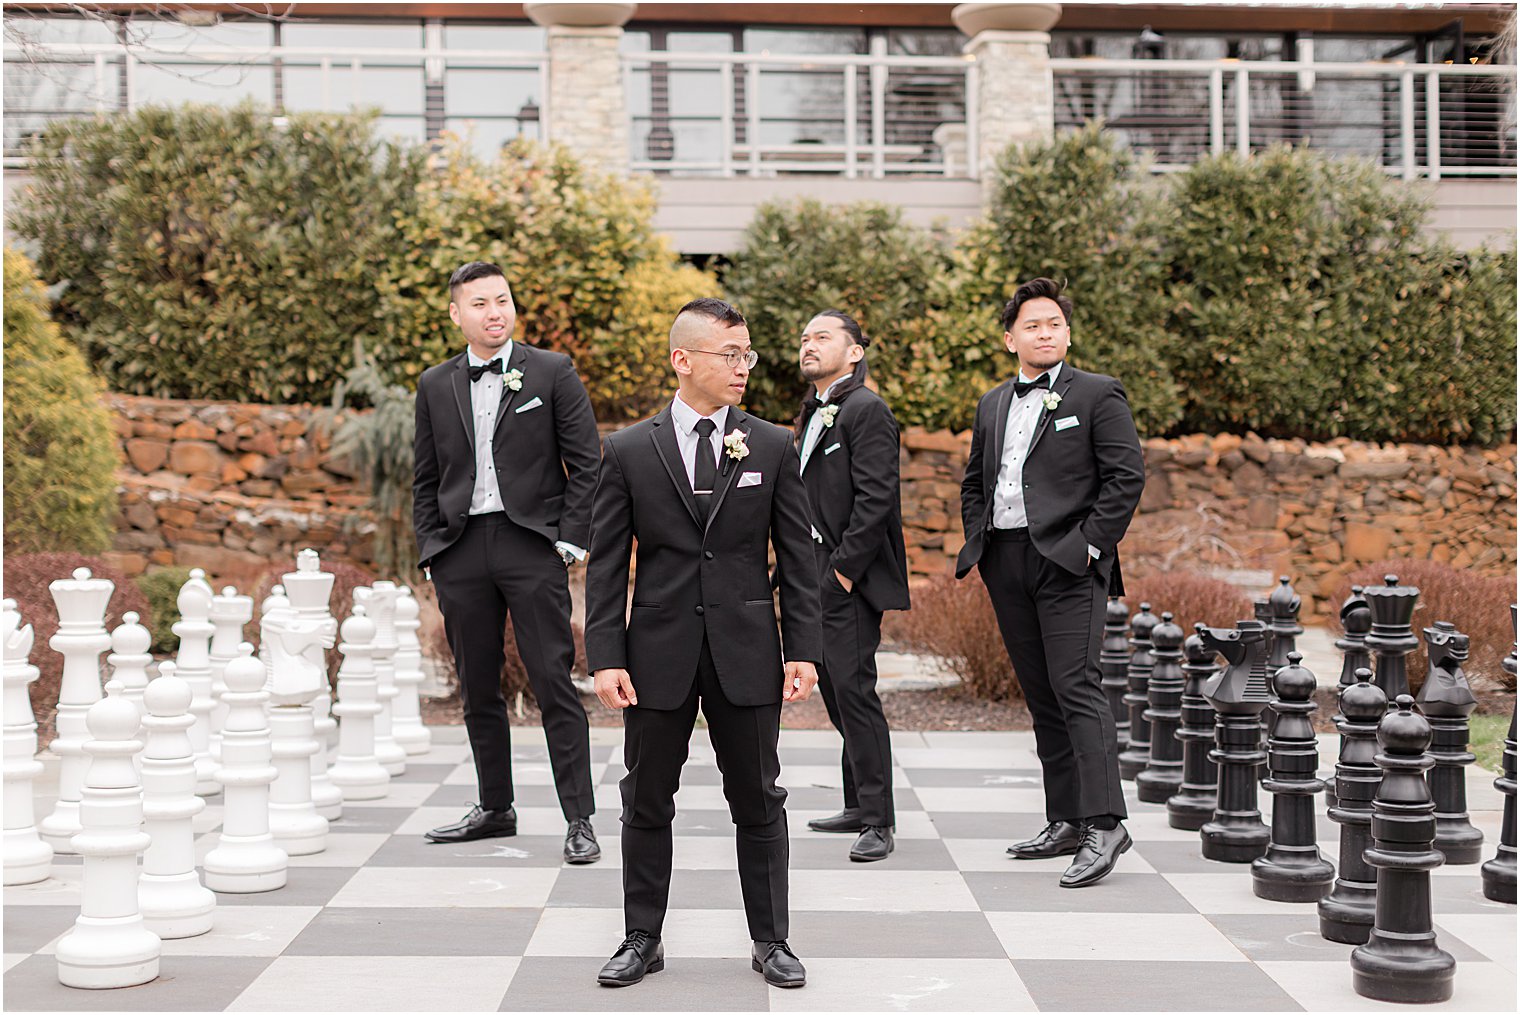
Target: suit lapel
(508, 396)
(663, 433)
(1062, 383)
(461, 384)
(730, 468)
(991, 465)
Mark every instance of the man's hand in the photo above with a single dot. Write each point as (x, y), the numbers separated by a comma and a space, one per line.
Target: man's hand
(844, 582)
(798, 683)
(615, 688)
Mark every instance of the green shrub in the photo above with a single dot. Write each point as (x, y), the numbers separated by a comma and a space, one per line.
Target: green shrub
(160, 586)
(60, 446)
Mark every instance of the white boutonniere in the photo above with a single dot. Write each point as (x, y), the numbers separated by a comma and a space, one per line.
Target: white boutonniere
(1051, 399)
(827, 414)
(513, 380)
(735, 446)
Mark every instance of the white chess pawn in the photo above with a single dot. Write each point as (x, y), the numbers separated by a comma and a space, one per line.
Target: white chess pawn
(309, 590)
(406, 708)
(245, 858)
(27, 858)
(294, 680)
(381, 601)
(229, 612)
(356, 772)
(193, 662)
(130, 657)
(81, 638)
(109, 945)
(174, 903)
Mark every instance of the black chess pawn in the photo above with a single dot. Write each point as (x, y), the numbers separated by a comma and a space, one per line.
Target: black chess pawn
(1193, 803)
(1446, 700)
(1113, 665)
(1499, 873)
(1292, 869)
(1137, 748)
(1356, 621)
(1346, 914)
(1162, 775)
(1392, 636)
(1238, 693)
(1401, 961)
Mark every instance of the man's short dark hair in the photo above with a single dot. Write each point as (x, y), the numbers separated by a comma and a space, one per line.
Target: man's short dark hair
(1035, 289)
(470, 272)
(714, 310)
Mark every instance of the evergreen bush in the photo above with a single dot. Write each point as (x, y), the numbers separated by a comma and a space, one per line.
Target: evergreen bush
(160, 587)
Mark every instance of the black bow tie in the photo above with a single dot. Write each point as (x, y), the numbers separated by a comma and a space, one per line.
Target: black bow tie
(493, 367)
(1022, 388)
(812, 402)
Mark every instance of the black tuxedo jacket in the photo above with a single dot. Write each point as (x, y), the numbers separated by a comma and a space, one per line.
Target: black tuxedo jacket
(1082, 480)
(693, 580)
(852, 486)
(546, 453)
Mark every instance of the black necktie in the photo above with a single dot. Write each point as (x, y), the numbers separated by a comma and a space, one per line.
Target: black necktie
(1022, 388)
(704, 469)
(493, 367)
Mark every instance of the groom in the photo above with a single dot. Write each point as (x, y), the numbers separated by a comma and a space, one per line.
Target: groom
(704, 488)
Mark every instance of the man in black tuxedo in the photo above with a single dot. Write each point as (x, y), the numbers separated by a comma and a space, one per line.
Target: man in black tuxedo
(1054, 476)
(848, 441)
(507, 455)
(704, 488)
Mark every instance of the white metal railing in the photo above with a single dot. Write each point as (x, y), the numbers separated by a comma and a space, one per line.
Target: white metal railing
(86, 78)
(1430, 120)
(765, 114)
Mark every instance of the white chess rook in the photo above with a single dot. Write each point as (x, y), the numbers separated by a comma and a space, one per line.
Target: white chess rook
(381, 602)
(27, 858)
(229, 612)
(81, 638)
(245, 859)
(294, 680)
(406, 707)
(109, 945)
(174, 902)
(130, 657)
(309, 589)
(356, 771)
(193, 662)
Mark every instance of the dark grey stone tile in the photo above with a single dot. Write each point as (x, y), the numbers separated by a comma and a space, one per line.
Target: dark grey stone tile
(1105, 985)
(185, 983)
(894, 935)
(465, 797)
(1183, 858)
(833, 853)
(602, 888)
(424, 773)
(304, 886)
(28, 928)
(1294, 937)
(820, 798)
(513, 851)
(569, 984)
(358, 818)
(445, 931)
(1029, 891)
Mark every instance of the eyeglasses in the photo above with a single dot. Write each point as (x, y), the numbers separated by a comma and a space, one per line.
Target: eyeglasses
(732, 357)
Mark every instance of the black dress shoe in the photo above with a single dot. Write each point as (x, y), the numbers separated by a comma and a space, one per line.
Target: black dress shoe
(580, 843)
(1099, 851)
(638, 955)
(847, 820)
(774, 960)
(478, 824)
(1060, 838)
(875, 843)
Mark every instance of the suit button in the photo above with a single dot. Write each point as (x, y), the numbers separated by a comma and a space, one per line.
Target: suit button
(699, 611)
(708, 554)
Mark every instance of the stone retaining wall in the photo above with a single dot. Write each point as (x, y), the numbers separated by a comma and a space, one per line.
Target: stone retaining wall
(230, 487)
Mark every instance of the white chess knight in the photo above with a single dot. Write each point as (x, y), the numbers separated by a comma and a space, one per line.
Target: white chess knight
(308, 589)
(27, 858)
(81, 638)
(245, 858)
(174, 902)
(193, 664)
(406, 707)
(229, 612)
(130, 657)
(380, 599)
(109, 945)
(356, 771)
(294, 681)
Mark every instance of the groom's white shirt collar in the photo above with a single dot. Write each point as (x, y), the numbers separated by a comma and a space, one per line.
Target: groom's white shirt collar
(1054, 372)
(505, 356)
(686, 417)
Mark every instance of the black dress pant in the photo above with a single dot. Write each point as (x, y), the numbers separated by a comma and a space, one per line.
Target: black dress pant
(495, 568)
(1052, 626)
(655, 746)
(847, 680)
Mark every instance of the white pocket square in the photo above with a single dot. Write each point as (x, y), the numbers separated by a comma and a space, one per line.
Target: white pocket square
(1066, 422)
(832, 448)
(529, 405)
(749, 479)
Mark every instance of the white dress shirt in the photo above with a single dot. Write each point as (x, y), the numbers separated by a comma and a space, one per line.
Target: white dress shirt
(814, 431)
(685, 419)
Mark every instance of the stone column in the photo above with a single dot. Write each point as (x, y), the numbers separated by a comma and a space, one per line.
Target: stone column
(1015, 94)
(587, 111)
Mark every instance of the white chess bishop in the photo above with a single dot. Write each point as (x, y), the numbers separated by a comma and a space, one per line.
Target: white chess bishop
(309, 589)
(81, 638)
(294, 681)
(406, 709)
(229, 613)
(27, 858)
(193, 663)
(174, 902)
(245, 859)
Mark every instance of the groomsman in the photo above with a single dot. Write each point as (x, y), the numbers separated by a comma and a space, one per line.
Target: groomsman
(704, 488)
(1054, 476)
(848, 441)
(507, 455)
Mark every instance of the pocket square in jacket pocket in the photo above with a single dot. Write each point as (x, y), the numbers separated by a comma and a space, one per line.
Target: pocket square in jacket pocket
(749, 479)
(1066, 422)
(529, 405)
(832, 448)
